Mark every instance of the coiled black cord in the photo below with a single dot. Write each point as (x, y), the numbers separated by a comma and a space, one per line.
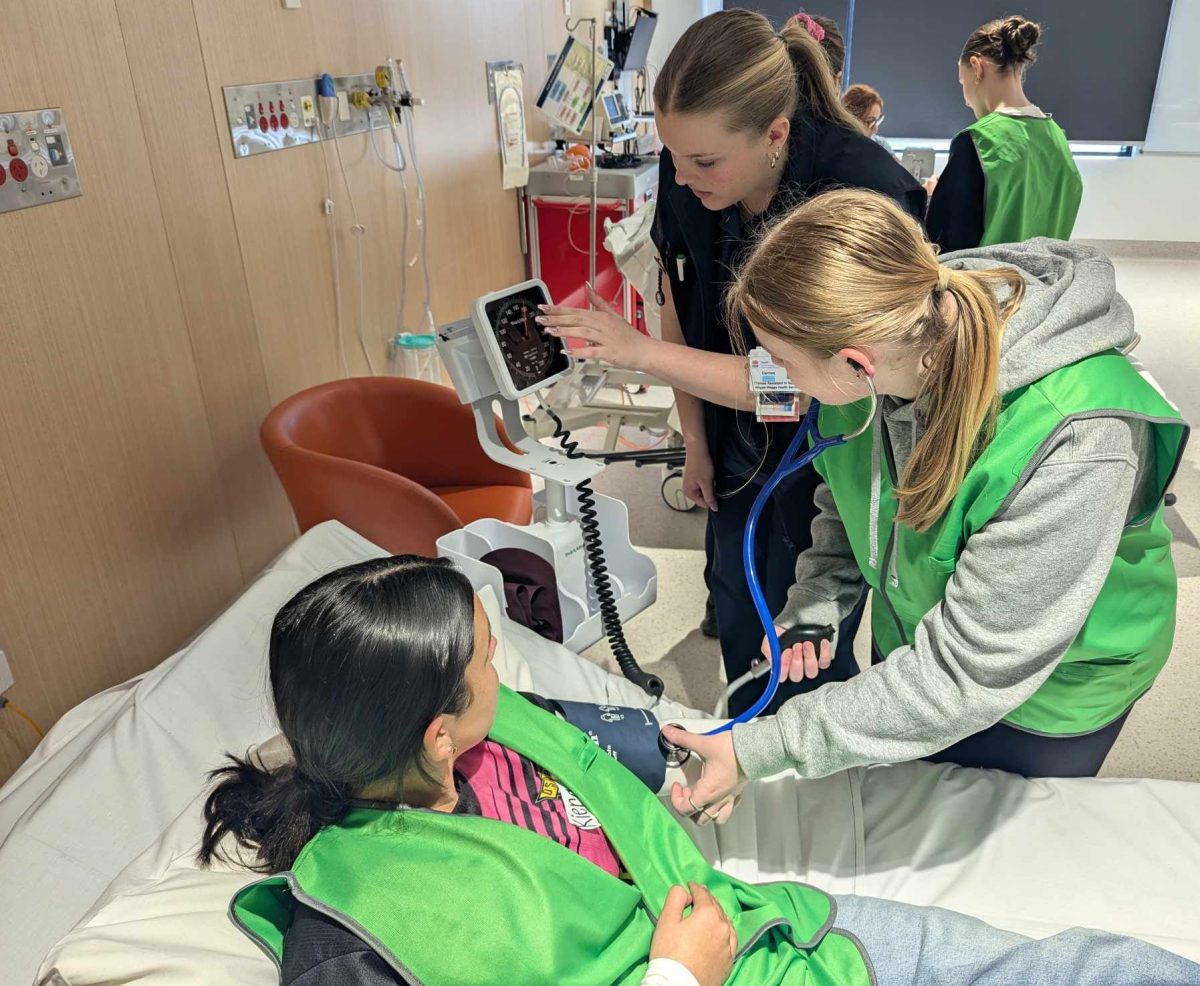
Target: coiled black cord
(593, 547)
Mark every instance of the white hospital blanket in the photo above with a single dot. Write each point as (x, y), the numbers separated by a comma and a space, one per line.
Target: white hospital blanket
(1032, 856)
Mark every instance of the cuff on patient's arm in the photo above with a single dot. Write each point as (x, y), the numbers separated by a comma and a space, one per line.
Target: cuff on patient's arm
(668, 972)
(760, 748)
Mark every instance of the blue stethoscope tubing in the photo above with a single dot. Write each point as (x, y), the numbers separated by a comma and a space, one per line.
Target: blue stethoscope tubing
(793, 460)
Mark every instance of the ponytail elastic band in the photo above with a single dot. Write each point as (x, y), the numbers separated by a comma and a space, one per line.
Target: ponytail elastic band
(812, 27)
(943, 283)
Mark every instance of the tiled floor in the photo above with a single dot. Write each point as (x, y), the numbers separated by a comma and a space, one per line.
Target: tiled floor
(1162, 736)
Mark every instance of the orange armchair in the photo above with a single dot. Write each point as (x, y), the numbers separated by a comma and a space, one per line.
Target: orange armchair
(396, 460)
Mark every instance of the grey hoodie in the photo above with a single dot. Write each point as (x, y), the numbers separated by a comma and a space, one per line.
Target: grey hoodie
(1023, 585)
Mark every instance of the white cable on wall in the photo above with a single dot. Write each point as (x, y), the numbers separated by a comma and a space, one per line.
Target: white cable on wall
(333, 245)
(421, 220)
(404, 262)
(359, 230)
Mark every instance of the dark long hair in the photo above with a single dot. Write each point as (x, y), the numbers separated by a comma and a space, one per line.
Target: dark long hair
(361, 661)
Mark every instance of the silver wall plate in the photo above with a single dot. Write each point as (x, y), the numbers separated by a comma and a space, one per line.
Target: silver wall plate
(37, 164)
(273, 116)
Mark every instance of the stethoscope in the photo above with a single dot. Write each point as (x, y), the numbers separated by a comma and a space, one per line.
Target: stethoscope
(793, 460)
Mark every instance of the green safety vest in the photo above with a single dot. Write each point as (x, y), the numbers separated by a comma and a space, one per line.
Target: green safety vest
(464, 900)
(1126, 637)
(1032, 185)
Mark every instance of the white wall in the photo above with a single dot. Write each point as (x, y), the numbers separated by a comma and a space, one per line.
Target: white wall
(1149, 197)
(1175, 117)
(674, 17)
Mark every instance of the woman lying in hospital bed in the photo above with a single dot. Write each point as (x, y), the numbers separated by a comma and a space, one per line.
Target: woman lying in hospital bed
(435, 827)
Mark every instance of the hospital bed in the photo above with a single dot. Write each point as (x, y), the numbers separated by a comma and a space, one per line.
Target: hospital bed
(98, 829)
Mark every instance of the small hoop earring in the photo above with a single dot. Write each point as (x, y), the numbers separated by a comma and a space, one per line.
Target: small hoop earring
(774, 159)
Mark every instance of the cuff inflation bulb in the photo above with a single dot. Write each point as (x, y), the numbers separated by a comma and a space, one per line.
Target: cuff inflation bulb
(805, 633)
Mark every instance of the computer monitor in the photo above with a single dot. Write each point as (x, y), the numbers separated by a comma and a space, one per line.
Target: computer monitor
(637, 42)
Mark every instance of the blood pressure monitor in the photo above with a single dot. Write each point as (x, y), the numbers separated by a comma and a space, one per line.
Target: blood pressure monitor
(522, 356)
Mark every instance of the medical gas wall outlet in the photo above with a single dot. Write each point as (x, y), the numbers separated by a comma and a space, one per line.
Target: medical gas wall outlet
(37, 165)
(273, 116)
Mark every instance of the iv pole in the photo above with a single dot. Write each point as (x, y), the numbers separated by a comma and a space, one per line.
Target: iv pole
(595, 177)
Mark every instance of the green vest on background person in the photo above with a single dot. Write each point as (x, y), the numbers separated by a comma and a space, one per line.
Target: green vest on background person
(1128, 633)
(469, 901)
(1032, 186)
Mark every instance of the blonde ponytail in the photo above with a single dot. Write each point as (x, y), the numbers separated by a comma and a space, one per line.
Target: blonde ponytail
(733, 63)
(963, 367)
(850, 268)
(814, 82)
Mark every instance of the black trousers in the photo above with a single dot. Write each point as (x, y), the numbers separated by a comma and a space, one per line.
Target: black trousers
(1004, 747)
(784, 530)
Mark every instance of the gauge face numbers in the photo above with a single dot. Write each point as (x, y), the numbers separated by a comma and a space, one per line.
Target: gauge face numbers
(528, 358)
(526, 349)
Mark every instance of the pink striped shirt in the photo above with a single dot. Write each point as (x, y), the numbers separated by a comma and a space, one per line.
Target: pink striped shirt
(511, 788)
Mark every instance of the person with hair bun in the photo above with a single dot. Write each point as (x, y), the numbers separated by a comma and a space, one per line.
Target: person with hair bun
(752, 126)
(1011, 175)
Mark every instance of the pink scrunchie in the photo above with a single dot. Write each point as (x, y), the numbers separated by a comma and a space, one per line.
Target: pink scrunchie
(812, 27)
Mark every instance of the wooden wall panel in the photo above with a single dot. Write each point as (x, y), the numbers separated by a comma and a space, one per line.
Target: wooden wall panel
(472, 222)
(120, 546)
(186, 151)
(146, 328)
(276, 197)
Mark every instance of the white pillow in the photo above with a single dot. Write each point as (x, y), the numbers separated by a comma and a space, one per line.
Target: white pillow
(164, 920)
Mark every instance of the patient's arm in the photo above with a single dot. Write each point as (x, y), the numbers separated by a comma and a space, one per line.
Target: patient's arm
(697, 949)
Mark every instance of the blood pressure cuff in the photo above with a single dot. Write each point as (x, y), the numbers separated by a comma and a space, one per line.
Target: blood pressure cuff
(629, 736)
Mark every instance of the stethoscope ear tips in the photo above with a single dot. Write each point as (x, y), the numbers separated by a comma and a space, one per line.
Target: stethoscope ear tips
(675, 756)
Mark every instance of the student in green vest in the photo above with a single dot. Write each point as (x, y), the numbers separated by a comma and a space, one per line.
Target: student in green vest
(1005, 506)
(437, 828)
(1010, 176)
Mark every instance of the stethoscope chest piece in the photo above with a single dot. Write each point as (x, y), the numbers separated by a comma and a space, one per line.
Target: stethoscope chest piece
(675, 756)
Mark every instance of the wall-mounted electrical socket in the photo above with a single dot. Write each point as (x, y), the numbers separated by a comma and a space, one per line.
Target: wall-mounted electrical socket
(291, 4)
(6, 678)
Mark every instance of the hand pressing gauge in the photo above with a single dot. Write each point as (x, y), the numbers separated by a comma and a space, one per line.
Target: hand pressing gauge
(524, 358)
(527, 350)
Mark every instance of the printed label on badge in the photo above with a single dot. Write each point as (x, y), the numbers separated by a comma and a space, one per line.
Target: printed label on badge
(549, 789)
(577, 813)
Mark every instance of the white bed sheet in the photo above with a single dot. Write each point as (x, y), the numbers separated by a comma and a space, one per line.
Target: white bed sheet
(1032, 856)
(117, 770)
